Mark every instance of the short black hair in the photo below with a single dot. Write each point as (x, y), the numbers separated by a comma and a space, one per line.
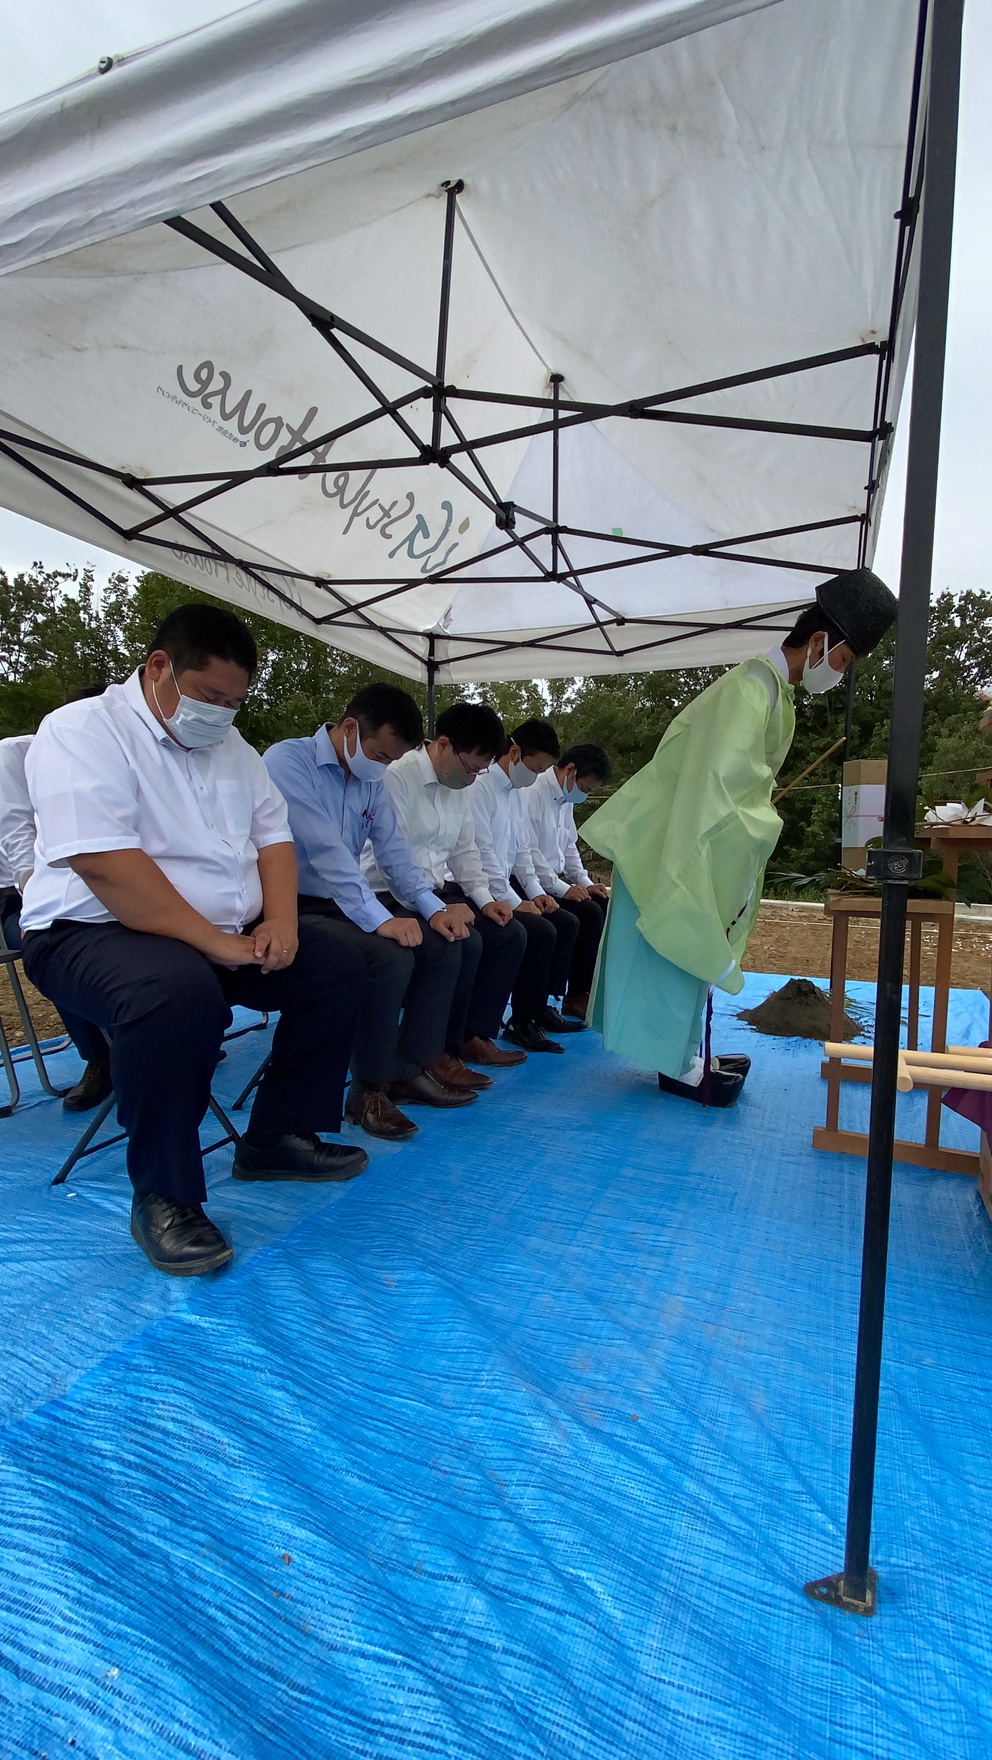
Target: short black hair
(472, 727)
(589, 760)
(806, 626)
(533, 737)
(88, 690)
(385, 705)
(193, 635)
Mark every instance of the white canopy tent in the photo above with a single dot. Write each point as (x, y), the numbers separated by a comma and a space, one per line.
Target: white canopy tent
(481, 338)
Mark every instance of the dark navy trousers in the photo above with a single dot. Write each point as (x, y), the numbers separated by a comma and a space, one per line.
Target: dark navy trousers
(166, 1009)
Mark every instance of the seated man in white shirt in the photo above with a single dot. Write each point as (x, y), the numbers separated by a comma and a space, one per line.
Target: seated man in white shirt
(554, 849)
(429, 789)
(164, 889)
(17, 835)
(496, 801)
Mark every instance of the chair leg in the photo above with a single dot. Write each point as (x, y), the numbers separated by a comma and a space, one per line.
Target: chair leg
(233, 1135)
(37, 1055)
(253, 1084)
(10, 1072)
(82, 1147)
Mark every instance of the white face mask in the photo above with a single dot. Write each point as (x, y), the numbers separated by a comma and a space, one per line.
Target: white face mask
(363, 767)
(194, 724)
(820, 676)
(520, 776)
(456, 776)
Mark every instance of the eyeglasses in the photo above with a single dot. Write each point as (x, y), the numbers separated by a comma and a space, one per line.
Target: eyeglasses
(466, 768)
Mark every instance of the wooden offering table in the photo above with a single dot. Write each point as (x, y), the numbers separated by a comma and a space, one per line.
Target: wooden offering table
(845, 908)
(951, 842)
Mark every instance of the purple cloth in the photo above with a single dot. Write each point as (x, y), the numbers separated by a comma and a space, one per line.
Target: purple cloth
(972, 1103)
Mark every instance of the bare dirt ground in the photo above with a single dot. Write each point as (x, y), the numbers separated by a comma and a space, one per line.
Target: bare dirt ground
(795, 940)
(791, 939)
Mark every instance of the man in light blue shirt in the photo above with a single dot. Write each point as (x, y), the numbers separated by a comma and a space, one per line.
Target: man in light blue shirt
(333, 787)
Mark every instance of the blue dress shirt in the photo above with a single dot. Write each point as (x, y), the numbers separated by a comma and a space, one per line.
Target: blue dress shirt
(332, 817)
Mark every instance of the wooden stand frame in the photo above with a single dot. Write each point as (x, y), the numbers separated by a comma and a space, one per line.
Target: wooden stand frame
(985, 1173)
(844, 908)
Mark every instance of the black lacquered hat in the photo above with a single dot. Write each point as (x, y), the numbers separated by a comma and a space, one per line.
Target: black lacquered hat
(860, 605)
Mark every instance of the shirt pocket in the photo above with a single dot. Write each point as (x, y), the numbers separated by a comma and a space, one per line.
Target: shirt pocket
(234, 812)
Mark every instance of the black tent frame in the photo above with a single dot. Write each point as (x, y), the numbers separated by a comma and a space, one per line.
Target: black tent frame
(173, 527)
(900, 861)
(929, 178)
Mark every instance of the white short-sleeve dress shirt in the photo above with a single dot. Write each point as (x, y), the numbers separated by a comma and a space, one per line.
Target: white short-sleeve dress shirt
(104, 774)
(497, 809)
(554, 846)
(437, 823)
(16, 814)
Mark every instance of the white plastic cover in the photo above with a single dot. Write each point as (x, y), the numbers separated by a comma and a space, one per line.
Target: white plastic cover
(657, 194)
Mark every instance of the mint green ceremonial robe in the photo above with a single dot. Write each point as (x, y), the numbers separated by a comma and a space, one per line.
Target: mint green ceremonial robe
(689, 837)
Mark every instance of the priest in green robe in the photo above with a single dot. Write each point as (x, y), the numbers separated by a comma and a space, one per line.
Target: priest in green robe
(690, 834)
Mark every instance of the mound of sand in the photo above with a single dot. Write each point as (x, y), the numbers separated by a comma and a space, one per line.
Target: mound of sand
(800, 1010)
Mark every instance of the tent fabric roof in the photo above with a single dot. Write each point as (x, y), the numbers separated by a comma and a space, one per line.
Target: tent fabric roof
(440, 345)
(285, 85)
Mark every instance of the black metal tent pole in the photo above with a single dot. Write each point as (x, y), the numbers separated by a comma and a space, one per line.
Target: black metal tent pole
(847, 752)
(431, 664)
(900, 861)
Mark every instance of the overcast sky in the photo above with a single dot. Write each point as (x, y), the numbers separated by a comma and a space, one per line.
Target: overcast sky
(49, 42)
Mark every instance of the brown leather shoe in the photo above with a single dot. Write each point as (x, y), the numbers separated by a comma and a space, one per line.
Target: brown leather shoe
(452, 1072)
(374, 1111)
(426, 1090)
(493, 1056)
(576, 1006)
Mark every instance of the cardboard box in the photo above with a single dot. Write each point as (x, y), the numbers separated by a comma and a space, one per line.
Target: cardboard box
(863, 807)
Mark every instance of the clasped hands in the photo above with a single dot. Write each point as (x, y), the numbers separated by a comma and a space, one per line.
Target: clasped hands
(452, 924)
(271, 946)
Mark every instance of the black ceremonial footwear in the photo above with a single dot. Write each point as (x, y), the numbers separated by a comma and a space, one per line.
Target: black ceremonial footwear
(553, 1021)
(177, 1238)
(724, 1088)
(735, 1061)
(298, 1157)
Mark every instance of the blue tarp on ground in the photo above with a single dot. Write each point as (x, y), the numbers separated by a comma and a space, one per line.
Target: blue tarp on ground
(520, 1445)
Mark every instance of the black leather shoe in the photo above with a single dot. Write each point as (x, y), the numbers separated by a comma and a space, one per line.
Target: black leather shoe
(426, 1090)
(553, 1021)
(737, 1062)
(530, 1037)
(295, 1156)
(177, 1238)
(93, 1086)
(724, 1088)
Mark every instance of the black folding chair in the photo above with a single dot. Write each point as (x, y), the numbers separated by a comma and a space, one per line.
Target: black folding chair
(86, 1145)
(10, 1056)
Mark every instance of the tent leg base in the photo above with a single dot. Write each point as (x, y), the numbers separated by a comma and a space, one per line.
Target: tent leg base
(831, 1591)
